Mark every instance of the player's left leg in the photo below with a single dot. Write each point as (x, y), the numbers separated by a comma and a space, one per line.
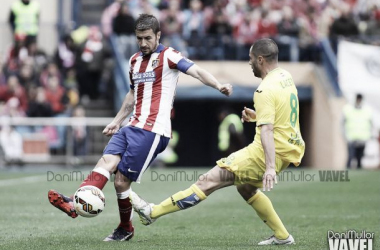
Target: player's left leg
(213, 180)
(125, 230)
(264, 209)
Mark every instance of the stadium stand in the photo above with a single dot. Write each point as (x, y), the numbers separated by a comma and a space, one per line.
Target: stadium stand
(59, 72)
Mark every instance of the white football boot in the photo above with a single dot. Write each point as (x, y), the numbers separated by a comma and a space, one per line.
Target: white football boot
(274, 241)
(142, 208)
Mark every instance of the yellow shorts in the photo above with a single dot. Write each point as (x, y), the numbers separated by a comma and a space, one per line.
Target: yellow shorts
(248, 165)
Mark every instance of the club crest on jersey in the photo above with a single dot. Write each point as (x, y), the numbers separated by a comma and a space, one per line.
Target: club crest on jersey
(155, 63)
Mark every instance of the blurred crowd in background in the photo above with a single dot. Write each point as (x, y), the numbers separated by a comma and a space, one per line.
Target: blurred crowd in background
(224, 29)
(35, 84)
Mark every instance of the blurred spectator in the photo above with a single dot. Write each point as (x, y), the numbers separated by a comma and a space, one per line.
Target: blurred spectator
(245, 35)
(194, 29)
(123, 23)
(220, 26)
(37, 57)
(14, 89)
(72, 93)
(357, 129)
(217, 8)
(13, 108)
(16, 54)
(236, 10)
(287, 39)
(11, 143)
(50, 71)
(38, 105)
(146, 7)
(70, 79)
(80, 35)
(108, 15)
(3, 79)
(266, 28)
(27, 76)
(55, 94)
(79, 132)
(24, 17)
(344, 26)
(124, 28)
(73, 98)
(171, 26)
(220, 40)
(373, 24)
(93, 53)
(65, 54)
(308, 36)
(289, 24)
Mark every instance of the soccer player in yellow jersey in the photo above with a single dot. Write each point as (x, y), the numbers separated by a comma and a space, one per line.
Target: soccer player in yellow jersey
(278, 142)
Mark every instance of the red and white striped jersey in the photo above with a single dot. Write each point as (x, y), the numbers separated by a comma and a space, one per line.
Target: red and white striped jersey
(154, 80)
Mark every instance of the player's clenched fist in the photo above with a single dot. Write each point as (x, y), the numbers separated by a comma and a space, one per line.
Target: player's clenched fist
(248, 115)
(226, 89)
(111, 129)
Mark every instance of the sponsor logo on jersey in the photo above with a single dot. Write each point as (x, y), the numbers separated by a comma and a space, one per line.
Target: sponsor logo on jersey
(144, 77)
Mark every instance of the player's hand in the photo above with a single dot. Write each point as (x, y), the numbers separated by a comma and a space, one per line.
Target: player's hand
(269, 178)
(248, 115)
(111, 129)
(226, 89)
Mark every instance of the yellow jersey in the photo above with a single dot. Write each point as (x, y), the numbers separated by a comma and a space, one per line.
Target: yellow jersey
(276, 102)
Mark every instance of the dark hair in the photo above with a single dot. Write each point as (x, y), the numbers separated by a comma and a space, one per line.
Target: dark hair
(359, 97)
(266, 48)
(146, 22)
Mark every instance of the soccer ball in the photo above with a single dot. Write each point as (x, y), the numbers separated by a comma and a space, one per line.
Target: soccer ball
(89, 201)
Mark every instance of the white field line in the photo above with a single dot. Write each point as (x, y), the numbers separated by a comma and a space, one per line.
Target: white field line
(21, 181)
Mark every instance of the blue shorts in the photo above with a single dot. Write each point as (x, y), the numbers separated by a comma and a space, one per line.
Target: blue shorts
(137, 148)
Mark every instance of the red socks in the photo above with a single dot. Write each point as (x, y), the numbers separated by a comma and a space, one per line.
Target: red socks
(98, 178)
(125, 210)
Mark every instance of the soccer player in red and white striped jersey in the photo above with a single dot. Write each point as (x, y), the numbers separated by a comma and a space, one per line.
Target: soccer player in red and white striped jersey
(154, 73)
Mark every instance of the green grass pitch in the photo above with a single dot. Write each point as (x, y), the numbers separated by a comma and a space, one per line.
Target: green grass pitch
(223, 221)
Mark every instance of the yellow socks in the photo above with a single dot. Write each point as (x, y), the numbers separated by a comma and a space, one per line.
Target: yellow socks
(179, 201)
(264, 209)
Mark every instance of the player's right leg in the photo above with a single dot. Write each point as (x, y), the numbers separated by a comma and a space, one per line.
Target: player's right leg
(143, 146)
(213, 180)
(98, 178)
(264, 209)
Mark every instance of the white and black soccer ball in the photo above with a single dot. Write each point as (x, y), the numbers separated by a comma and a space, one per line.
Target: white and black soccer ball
(89, 201)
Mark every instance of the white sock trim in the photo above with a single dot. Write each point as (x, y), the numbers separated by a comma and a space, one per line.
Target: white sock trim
(124, 195)
(103, 172)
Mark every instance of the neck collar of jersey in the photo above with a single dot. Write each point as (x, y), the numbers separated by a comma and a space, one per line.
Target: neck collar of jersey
(159, 48)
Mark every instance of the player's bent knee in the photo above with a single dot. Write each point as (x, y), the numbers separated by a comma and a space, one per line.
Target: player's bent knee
(121, 183)
(109, 163)
(215, 179)
(246, 191)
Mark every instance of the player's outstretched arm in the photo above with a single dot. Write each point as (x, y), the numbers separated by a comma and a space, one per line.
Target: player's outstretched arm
(125, 110)
(267, 140)
(209, 80)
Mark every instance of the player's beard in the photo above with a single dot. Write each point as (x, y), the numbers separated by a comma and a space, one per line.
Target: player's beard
(255, 69)
(148, 50)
